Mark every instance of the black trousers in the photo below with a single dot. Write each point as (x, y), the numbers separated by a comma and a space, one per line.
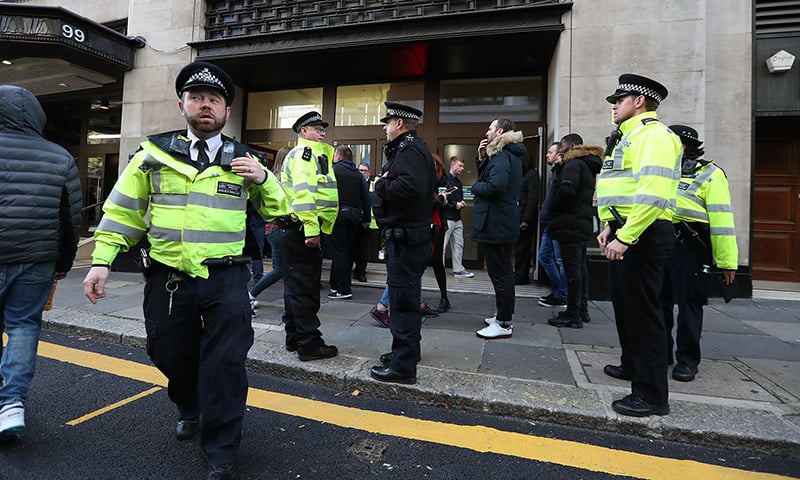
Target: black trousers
(301, 291)
(522, 253)
(362, 246)
(687, 285)
(342, 237)
(635, 287)
(404, 268)
(499, 268)
(573, 254)
(198, 336)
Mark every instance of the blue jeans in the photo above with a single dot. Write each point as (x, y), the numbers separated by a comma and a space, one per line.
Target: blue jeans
(275, 240)
(24, 288)
(550, 258)
(385, 297)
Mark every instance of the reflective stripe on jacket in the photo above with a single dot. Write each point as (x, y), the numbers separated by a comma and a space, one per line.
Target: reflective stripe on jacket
(311, 191)
(640, 177)
(705, 197)
(192, 216)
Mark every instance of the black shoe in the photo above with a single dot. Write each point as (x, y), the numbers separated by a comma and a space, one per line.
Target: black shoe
(386, 374)
(565, 321)
(616, 371)
(291, 347)
(585, 318)
(634, 406)
(381, 317)
(552, 301)
(521, 281)
(361, 278)
(684, 373)
(444, 305)
(386, 359)
(222, 472)
(187, 429)
(323, 351)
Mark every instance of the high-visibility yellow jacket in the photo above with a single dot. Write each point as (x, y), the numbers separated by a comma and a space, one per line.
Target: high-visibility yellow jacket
(310, 185)
(640, 177)
(192, 215)
(704, 197)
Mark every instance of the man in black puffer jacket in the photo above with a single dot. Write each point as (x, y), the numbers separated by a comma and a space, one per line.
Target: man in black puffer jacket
(570, 223)
(40, 217)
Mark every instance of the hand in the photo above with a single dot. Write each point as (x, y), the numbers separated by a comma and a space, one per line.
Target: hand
(249, 167)
(482, 148)
(523, 225)
(365, 225)
(60, 275)
(94, 285)
(313, 242)
(602, 238)
(461, 205)
(615, 250)
(728, 276)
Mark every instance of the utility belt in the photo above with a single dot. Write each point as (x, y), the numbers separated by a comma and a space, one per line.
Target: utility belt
(408, 235)
(285, 222)
(350, 209)
(148, 266)
(227, 261)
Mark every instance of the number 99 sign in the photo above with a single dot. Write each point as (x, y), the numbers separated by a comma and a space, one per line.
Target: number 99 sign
(72, 33)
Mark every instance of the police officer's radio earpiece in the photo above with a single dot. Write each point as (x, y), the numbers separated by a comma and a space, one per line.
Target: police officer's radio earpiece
(227, 156)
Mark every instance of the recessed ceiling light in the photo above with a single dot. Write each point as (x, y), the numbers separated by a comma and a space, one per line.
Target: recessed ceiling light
(7, 62)
(62, 85)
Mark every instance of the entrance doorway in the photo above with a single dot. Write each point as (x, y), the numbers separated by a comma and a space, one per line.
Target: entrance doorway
(776, 200)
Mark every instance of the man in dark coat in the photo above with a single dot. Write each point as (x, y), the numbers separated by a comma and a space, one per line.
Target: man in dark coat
(496, 216)
(40, 218)
(571, 223)
(528, 221)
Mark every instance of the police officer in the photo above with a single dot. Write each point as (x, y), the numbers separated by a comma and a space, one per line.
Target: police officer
(705, 232)
(636, 200)
(196, 184)
(403, 207)
(308, 179)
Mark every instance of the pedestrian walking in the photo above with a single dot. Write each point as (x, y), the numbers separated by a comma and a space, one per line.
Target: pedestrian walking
(40, 220)
(195, 184)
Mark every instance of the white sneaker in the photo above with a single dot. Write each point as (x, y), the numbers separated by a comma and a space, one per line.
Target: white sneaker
(253, 301)
(495, 331)
(490, 320)
(12, 420)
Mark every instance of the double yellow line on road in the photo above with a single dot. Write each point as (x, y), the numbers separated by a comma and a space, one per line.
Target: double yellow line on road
(472, 437)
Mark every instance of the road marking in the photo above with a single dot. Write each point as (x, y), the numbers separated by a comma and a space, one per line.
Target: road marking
(472, 437)
(108, 408)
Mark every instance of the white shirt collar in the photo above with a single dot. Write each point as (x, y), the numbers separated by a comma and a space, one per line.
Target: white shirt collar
(213, 144)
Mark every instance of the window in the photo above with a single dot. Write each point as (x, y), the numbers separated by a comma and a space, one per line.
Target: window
(479, 100)
(362, 105)
(281, 108)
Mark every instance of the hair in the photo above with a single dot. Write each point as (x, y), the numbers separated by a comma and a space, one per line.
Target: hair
(506, 124)
(344, 152)
(572, 139)
(693, 150)
(439, 164)
(410, 123)
(455, 158)
(650, 104)
(277, 164)
(363, 164)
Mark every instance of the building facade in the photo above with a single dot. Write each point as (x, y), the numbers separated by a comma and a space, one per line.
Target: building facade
(548, 65)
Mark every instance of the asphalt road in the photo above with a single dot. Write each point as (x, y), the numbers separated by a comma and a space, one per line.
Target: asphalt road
(100, 411)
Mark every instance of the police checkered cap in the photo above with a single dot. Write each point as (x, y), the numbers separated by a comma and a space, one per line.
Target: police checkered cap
(686, 133)
(630, 83)
(398, 110)
(307, 120)
(201, 74)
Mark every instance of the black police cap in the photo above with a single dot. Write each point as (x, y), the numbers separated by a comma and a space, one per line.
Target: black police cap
(398, 110)
(309, 119)
(202, 74)
(688, 134)
(630, 83)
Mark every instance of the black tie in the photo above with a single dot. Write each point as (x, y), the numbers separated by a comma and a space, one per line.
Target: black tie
(202, 156)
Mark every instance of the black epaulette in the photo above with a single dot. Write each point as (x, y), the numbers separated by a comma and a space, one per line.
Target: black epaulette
(647, 120)
(408, 140)
(307, 154)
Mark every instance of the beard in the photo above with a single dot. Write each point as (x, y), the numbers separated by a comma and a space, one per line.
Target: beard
(205, 124)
